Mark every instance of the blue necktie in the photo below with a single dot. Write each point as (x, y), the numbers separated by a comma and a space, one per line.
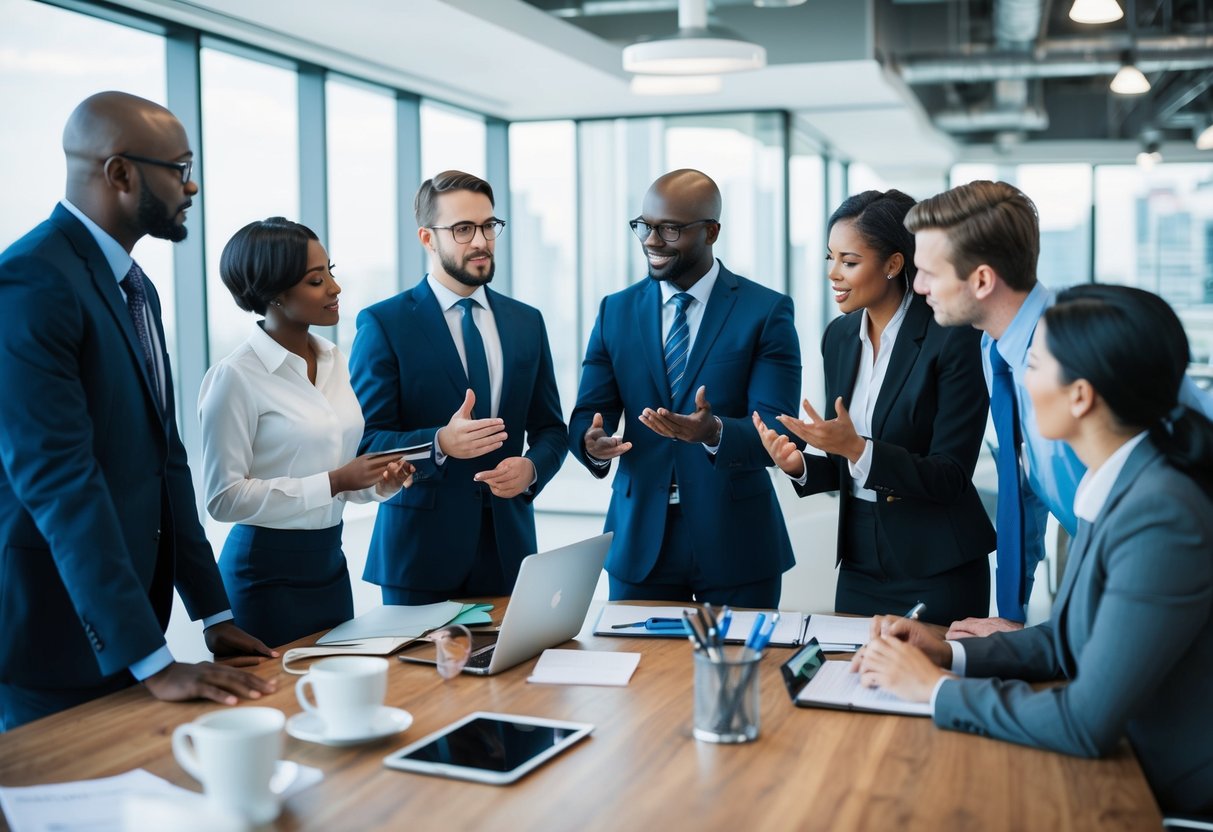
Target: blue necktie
(478, 365)
(1009, 517)
(676, 344)
(136, 302)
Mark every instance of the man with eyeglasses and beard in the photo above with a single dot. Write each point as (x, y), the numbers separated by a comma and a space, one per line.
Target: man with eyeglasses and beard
(685, 357)
(455, 363)
(98, 519)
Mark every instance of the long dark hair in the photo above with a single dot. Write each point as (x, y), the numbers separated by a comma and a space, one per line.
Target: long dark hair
(879, 217)
(1130, 345)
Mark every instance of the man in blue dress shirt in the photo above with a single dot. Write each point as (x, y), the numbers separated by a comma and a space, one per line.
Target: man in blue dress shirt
(976, 251)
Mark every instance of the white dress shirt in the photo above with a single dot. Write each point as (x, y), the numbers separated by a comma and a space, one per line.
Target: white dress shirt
(873, 367)
(1093, 490)
(482, 315)
(270, 437)
(700, 293)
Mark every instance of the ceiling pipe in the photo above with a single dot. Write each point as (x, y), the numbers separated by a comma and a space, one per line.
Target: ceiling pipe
(981, 121)
(997, 68)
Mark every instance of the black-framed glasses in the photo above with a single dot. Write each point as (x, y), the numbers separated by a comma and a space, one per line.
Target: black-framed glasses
(668, 231)
(184, 168)
(463, 232)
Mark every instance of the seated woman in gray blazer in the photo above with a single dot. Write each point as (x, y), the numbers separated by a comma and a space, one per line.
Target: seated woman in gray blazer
(1132, 626)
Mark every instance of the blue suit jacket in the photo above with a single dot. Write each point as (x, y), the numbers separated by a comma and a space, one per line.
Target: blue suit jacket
(927, 428)
(409, 379)
(1132, 631)
(95, 495)
(747, 353)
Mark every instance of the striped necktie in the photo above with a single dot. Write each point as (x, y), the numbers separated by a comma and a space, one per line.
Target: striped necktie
(676, 346)
(136, 304)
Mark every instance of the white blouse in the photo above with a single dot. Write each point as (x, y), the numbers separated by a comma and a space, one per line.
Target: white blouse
(270, 437)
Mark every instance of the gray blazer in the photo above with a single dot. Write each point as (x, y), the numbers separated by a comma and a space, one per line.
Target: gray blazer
(1132, 631)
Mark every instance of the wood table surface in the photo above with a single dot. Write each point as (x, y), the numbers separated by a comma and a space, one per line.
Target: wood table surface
(639, 770)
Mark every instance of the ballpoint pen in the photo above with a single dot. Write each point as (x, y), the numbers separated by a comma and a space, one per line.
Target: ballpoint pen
(916, 611)
(653, 624)
(726, 618)
(756, 630)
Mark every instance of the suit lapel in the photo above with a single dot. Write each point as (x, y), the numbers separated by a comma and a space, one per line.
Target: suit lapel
(432, 324)
(720, 305)
(652, 342)
(107, 287)
(846, 369)
(905, 354)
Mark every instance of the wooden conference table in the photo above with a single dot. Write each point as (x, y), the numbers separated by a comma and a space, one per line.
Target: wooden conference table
(810, 768)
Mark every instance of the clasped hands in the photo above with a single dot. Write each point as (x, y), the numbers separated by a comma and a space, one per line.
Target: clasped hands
(904, 657)
(464, 437)
(833, 436)
(697, 427)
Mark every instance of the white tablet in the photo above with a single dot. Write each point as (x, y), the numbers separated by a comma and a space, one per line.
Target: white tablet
(488, 747)
(412, 453)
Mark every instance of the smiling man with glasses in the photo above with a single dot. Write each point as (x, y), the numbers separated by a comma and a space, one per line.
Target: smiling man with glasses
(684, 357)
(455, 363)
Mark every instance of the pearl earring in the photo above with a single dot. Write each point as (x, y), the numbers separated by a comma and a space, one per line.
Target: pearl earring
(889, 276)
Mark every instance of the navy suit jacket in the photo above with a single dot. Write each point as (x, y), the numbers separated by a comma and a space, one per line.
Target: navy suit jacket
(95, 496)
(1132, 631)
(926, 431)
(747, 354)
(409, 379)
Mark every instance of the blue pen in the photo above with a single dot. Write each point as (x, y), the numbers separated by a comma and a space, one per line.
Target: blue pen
(726, 619)
(756, 630)
(654, 624)
(764, 634)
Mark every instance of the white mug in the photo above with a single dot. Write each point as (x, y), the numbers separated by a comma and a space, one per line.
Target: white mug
(349, 692)
(232, 752)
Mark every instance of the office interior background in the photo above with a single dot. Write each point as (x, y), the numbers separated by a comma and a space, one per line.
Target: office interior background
(333, 114)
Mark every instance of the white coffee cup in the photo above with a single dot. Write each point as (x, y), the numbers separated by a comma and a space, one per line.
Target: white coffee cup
(349, 692)
(232, 752)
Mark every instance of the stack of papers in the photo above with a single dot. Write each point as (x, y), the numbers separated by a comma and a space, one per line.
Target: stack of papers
(835, 633)
(584, 667)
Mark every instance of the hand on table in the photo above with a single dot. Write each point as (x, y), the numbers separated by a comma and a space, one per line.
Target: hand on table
(981, 627)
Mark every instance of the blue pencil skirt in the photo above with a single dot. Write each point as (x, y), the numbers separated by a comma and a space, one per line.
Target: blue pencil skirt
(284, 584)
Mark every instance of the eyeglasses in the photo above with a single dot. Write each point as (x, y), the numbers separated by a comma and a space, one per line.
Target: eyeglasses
(668, 231)
(453, 648)
(463, 232)
(184, 168)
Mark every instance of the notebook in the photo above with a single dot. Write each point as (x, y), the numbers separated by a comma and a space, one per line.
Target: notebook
(551, 597)
(815, 682)
(834, 633)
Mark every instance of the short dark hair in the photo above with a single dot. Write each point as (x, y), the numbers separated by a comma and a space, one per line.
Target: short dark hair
(991, 223)
(879, 217)
(263, 260)
(1131, 347)
(425, 205)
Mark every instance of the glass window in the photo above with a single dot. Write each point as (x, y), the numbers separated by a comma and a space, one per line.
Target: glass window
(862, 178)
(250, 129)
(451, 139)
(1154, 229)
(362, 198)
(1062, 194)
(543, 237)
(806, 232)
(51, 60)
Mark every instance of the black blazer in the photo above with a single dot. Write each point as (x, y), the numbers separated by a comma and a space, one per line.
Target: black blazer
(927, 430)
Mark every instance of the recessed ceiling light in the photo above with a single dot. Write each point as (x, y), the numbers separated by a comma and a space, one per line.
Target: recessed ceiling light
(1095, 11)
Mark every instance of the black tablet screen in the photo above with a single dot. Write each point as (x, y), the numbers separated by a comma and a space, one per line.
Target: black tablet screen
(490, 744)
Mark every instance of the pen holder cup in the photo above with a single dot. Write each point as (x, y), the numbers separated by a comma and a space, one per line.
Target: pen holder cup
(726, 696)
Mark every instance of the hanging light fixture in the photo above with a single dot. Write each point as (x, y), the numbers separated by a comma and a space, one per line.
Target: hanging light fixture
(695, 49)
(1149, 156)
(1095, 11)
(1129, 80)
(1205, 140)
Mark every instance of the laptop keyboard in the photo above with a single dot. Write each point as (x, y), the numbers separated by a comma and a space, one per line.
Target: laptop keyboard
(482, 657)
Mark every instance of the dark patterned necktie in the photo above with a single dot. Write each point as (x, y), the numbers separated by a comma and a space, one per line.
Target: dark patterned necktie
(676, 344)
(478, 365)
(136, 304)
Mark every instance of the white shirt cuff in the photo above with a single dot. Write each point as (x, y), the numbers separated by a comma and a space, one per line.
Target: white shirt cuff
(958, 657)
(153, 664)
(863, 466)
(804, 475)
(439, 456)
(317, 491)
(217, 618)
(712, 449)
(596, 462)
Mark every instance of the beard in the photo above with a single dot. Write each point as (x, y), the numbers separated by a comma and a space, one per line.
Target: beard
(156, 220)
(459, 272)
(671, 271)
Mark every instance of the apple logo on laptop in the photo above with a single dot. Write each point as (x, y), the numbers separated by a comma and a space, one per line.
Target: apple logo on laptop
(556, 599)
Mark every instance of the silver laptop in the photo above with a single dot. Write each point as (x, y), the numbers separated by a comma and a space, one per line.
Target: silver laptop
(551, 598)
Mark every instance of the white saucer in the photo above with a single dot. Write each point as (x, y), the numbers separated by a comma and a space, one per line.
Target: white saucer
(310, 727)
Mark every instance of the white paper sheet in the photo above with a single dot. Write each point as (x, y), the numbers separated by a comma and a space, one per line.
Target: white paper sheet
(393, 621)
(584, 667)
(834, 632)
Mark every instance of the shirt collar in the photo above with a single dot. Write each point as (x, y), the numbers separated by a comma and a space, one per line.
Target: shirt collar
(273, 355)
(894, 325)
(446, 298)
(1014, 343)
(701, 291)
(119, 259)
(1097, 483)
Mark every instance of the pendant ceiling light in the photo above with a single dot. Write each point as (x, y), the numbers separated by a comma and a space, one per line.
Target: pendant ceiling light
(1205, 140)
(1129, 80)
(1095, 11)
(695, 49)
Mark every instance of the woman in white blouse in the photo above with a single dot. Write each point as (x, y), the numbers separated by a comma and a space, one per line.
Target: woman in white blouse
(905, 413)
(280, 427)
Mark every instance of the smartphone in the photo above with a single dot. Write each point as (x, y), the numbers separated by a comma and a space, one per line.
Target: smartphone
(412, 453)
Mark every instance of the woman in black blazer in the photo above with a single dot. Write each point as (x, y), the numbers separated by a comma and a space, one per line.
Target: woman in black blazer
(906, 412)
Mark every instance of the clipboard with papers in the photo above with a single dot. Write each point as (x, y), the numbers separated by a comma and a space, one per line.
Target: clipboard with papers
(834, 633)
(815, 682)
